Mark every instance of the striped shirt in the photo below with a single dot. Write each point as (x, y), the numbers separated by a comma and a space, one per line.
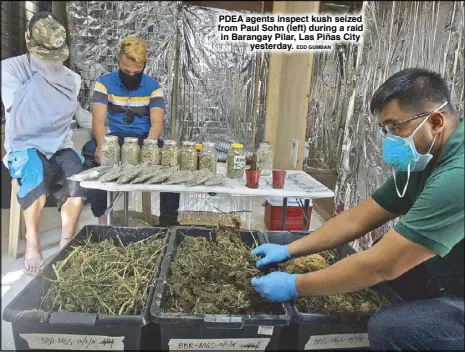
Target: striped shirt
(109, 90)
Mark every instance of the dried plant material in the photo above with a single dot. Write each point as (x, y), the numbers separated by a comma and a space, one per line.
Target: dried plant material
(150, 153)
(146, 173)
(188, 157)
(209, 219)
(161, 175)
(199, 177)
(170, 154)
(216, 180)
(213, 277)
(91, 174)
(179, 176)
(208, 162)
(113, 173)
(104, 277)
(130, 152)
(111, 151)
(366, 300)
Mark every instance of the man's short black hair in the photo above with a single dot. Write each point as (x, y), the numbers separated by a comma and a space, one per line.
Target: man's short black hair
(413, 88)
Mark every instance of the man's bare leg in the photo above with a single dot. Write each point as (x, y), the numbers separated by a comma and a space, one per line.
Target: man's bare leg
(33, 250)
(102, 220)
(70, 212)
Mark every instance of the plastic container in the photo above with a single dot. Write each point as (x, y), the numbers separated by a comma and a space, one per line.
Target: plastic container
(183, 331)
(150, 153)
(330, 331)
(170, 154)
(252, 178)
(208, 157)
(294, 214)
(188, 156)
(111, 151)
(236, 161)
(130, 151)
(265, 158)
(279, 178)
(36, 329)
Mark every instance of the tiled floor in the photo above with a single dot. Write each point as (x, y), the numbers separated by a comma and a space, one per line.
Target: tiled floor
(14, 279)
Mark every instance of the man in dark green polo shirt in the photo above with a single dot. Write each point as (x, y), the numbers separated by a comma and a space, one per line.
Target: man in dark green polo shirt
(424, 144)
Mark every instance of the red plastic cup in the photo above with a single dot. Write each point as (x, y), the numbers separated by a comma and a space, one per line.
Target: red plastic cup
(279, 178)
(252, 177)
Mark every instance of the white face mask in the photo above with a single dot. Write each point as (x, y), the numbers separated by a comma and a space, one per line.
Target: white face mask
(54, 73)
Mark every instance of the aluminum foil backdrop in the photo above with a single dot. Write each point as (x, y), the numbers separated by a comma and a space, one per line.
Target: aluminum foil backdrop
(397, 35)
(216, 81)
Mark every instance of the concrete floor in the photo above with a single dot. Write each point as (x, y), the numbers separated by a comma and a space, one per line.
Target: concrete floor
(14, 279)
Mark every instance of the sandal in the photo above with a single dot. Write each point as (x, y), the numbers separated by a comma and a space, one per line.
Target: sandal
(40, 264)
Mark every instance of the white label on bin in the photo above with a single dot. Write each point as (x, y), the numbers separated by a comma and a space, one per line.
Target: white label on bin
(323, 342)
(265, 330)
(219, 344)
(73, 342)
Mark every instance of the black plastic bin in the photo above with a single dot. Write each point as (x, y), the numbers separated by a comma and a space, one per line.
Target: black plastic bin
(36, 329)
(227, 332)
(330, 331)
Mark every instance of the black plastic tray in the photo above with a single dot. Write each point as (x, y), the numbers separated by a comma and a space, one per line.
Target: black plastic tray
(311, 324)
(25, 317)
(196, 329)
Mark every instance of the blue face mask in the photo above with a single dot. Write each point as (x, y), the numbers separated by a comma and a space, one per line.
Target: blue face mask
(402, 155)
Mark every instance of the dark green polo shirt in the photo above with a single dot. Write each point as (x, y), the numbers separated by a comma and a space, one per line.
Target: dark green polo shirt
(433, 210)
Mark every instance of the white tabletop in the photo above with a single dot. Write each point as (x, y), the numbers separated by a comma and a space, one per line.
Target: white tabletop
(298, 185)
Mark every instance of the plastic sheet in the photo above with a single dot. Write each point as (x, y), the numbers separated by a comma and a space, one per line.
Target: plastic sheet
(398, 35)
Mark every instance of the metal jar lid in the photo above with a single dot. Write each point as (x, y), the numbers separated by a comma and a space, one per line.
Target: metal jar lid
(188, 143)
(111, 138)
(209, 145)
(131, 139)
(170, 142)
(150, 141)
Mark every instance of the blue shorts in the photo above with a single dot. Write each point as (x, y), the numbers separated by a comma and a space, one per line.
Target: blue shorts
(38, 175)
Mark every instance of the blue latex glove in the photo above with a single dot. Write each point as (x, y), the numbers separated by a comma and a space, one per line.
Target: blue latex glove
(277, 286)
(272, 253)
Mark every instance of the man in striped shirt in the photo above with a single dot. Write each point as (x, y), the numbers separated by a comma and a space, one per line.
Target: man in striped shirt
(134, 105)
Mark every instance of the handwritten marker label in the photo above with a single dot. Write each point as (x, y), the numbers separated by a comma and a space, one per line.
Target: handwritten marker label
(219, 344)
(323, 342)
(265, 330)
(73, 342)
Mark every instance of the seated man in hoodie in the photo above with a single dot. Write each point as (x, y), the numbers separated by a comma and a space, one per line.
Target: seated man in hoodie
(40, 94)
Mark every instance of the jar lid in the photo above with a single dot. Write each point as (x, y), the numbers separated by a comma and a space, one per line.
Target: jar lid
(265, 144)
(150, 141)
(170, 142)
(111, 138)
(130, 139)
(188, 143)
(209, 144)
(237, 146)
(199, 147)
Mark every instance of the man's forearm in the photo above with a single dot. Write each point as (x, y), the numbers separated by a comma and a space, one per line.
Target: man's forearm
(348, 275)
(342, 229)
(98, 129)
(335, 232)
(155, 130)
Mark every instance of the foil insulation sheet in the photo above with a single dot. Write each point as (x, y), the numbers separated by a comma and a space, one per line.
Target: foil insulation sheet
(215, 81)
(397, 35)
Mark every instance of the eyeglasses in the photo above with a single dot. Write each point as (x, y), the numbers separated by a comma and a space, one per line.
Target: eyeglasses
(392, 127)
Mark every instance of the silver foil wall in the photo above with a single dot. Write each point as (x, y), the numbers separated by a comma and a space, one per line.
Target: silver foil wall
(398, 35)
(215, 83)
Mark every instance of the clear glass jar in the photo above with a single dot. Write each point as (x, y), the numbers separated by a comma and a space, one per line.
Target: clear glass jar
(236, 161)
(265, 158)
(208, 157)
(130, 151)
(170, 154)
(110, 151)
(188, 156)
(150, 153)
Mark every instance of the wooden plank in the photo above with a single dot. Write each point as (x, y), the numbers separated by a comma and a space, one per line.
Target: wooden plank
(147, 207)
(15, 221)
(288, 93)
